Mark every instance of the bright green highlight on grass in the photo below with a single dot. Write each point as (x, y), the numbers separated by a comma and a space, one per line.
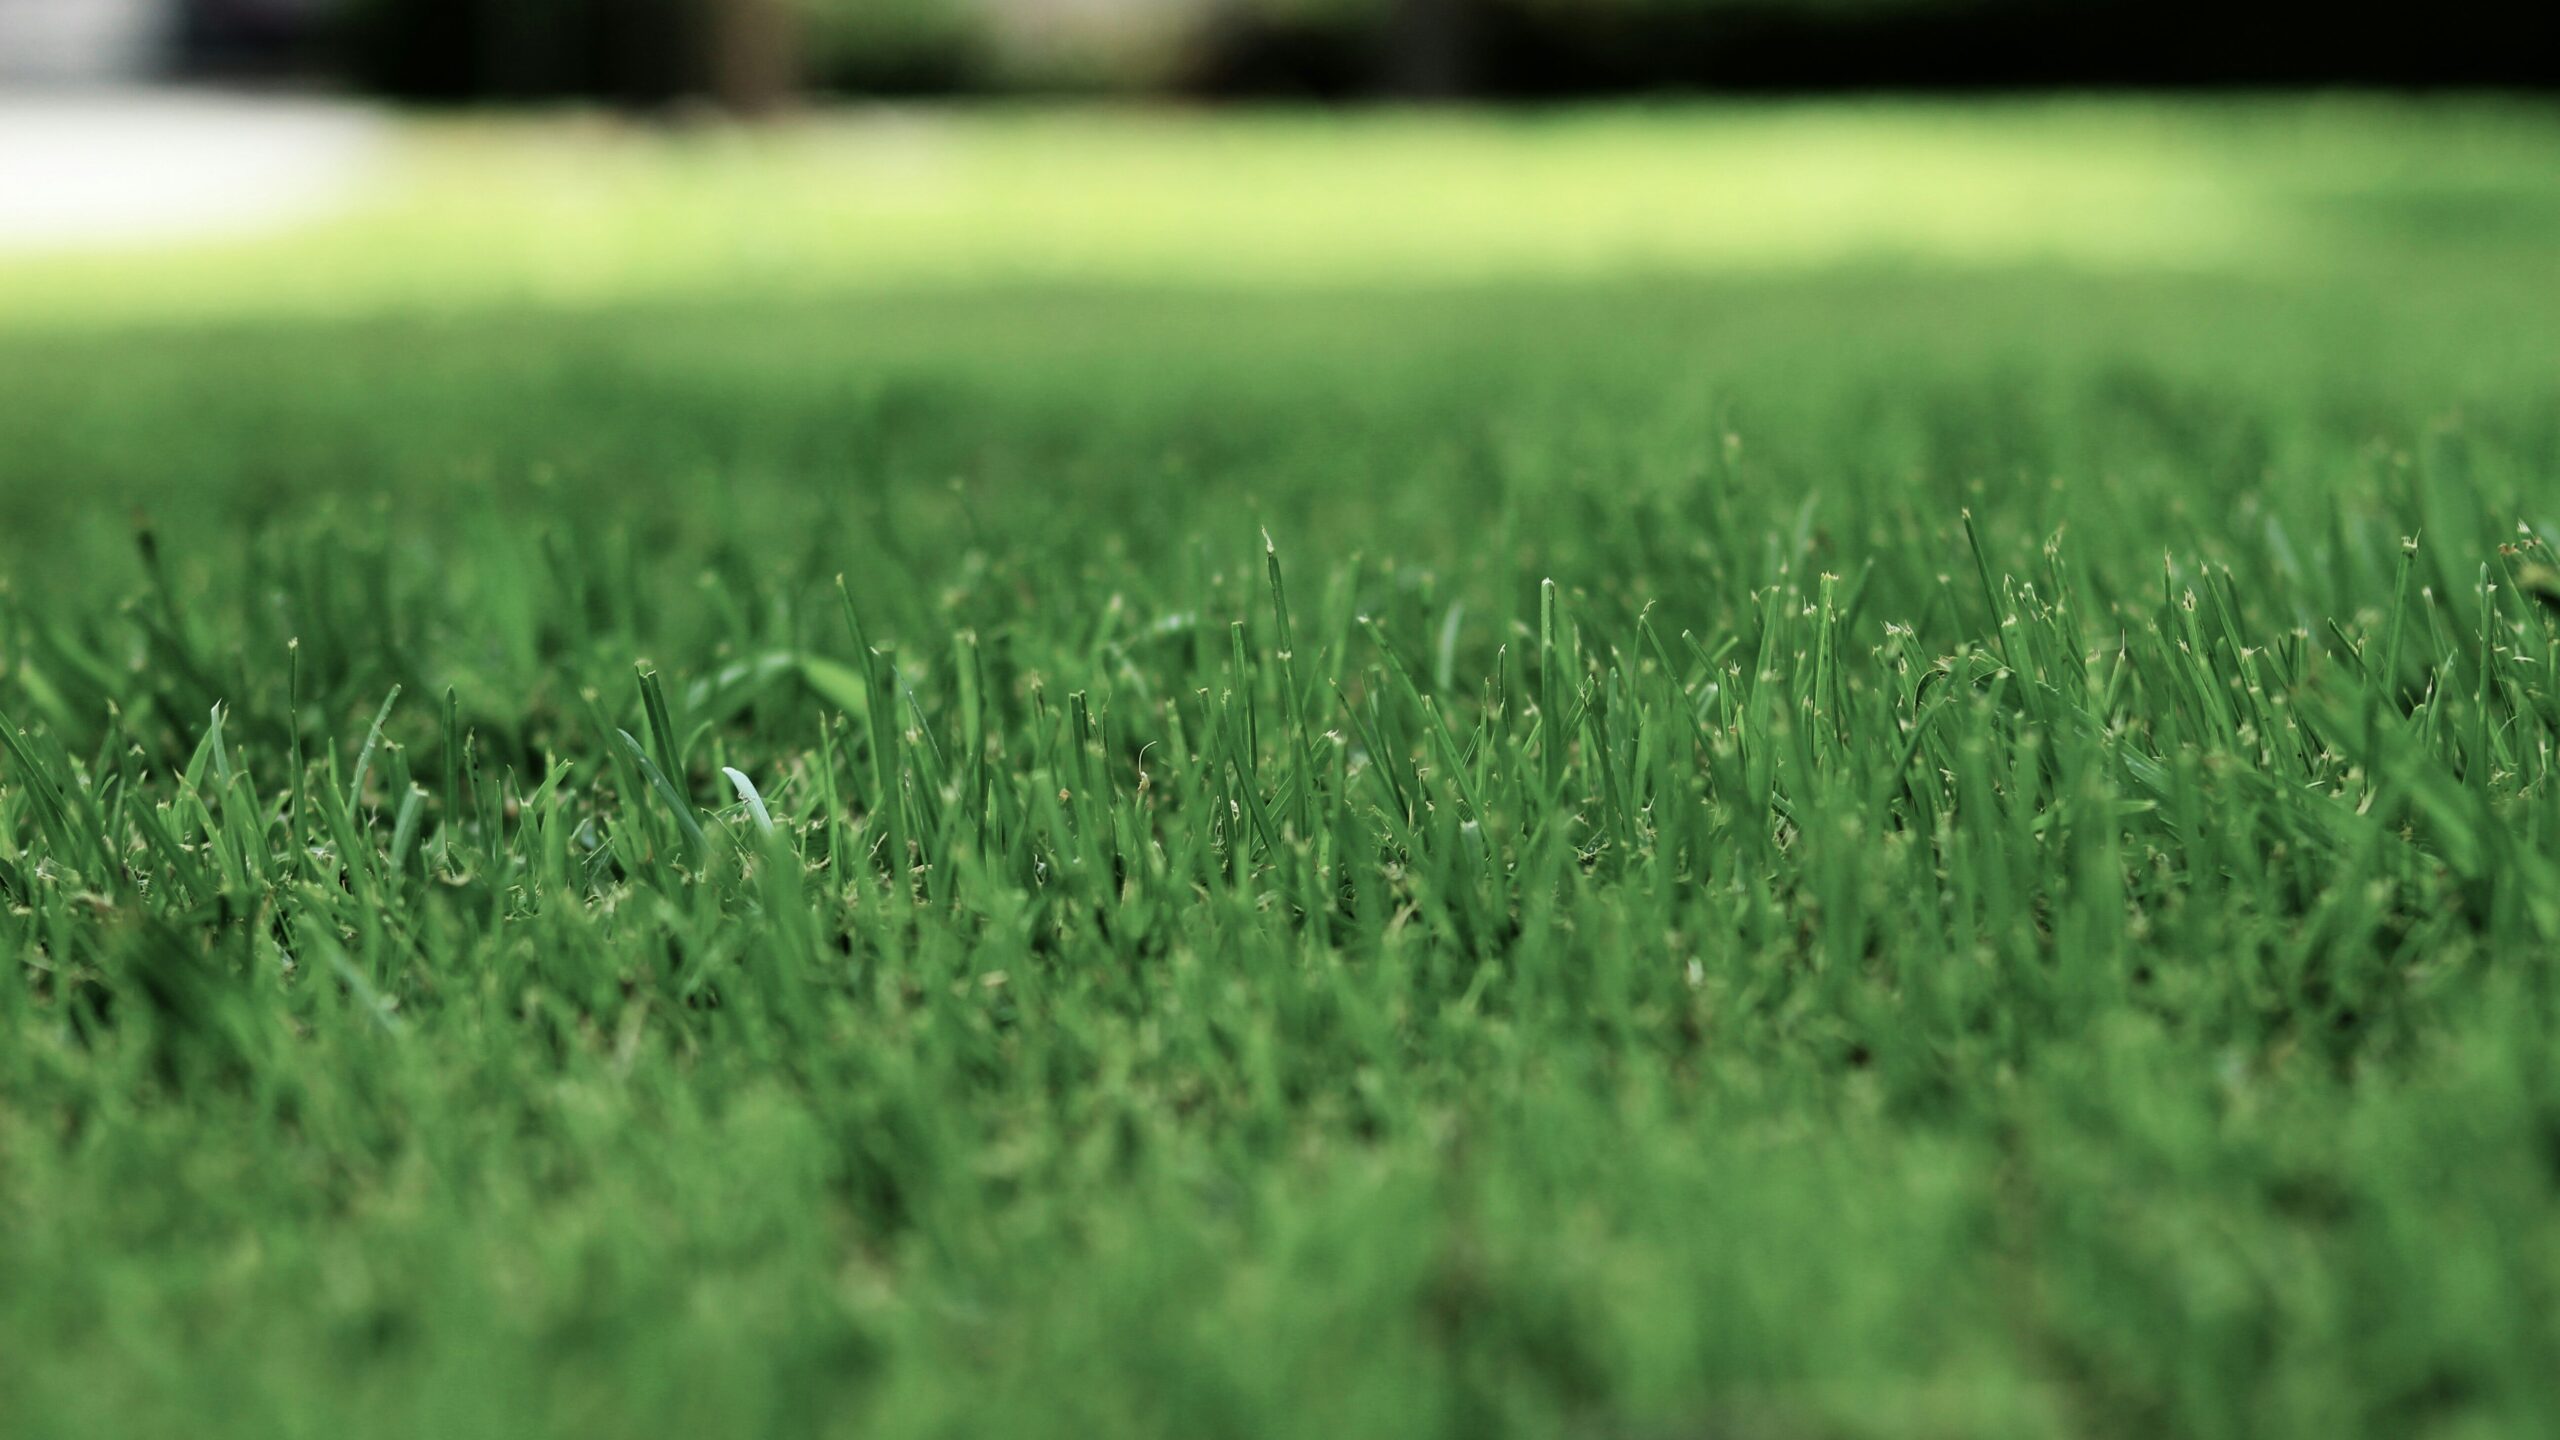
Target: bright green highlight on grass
(1871, 849)
(591, 213)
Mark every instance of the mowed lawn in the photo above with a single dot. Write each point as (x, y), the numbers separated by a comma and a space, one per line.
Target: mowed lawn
(1865, 770)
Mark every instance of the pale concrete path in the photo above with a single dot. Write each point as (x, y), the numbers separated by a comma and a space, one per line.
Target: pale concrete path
(96, 169)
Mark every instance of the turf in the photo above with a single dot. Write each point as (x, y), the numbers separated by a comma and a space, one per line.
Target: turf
(1953, 841)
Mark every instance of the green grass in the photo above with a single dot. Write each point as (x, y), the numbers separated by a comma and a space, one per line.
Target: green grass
(1844, 840)
(588, 214)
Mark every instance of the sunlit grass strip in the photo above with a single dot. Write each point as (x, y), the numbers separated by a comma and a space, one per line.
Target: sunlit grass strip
(587, 213)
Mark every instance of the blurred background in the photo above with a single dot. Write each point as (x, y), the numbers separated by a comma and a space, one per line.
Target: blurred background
(132, 121)
(264, 252)
(760, 54)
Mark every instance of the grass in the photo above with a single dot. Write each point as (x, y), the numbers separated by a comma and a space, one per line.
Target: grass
(1950, 843)
(591, 214)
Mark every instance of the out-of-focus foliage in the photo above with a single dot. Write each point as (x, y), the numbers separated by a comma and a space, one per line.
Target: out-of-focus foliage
(894, 46)
(647, 50)
(625, 50)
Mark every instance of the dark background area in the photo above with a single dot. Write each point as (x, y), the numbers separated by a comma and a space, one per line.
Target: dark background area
(1520, 48)
(756, 53)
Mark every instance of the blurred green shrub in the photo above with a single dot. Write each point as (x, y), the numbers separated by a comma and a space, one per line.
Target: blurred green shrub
(896, 46)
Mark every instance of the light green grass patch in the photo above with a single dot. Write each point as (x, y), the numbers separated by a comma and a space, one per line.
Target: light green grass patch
(590, 212)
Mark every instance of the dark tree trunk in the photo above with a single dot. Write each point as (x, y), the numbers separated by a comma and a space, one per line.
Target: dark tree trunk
(755, 55)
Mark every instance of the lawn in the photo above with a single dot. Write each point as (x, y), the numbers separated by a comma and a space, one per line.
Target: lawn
(1878, 770)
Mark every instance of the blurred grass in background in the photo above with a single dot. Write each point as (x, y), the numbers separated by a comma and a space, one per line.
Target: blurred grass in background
(599, 211)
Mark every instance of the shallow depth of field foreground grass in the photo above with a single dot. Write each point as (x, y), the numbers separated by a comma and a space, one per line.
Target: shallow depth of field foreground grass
(1927, 841)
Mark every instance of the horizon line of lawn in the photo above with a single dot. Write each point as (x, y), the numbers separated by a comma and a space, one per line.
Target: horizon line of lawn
(482, 214)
